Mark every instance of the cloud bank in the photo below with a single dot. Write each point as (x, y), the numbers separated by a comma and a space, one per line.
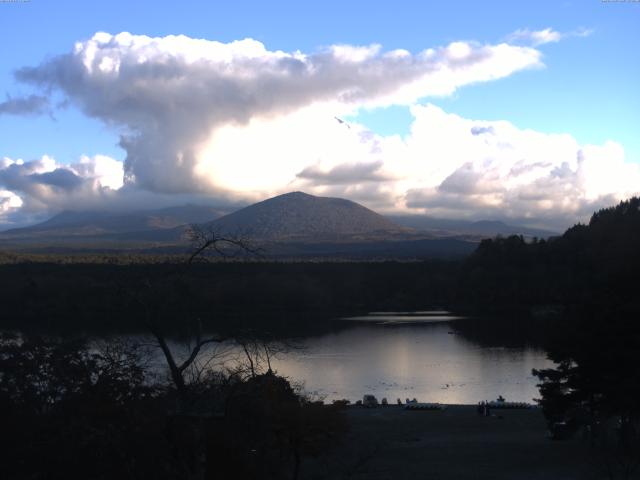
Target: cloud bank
(167, 96)
(46, 185)
(237, 122)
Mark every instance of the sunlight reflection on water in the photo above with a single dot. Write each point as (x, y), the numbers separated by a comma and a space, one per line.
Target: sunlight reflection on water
(402, 358)
(426, 359)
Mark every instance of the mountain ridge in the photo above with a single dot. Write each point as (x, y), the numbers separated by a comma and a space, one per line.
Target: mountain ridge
(89, 223)
(294, 224)
(445, 226)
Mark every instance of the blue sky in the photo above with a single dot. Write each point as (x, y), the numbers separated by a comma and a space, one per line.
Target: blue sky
(587, 88)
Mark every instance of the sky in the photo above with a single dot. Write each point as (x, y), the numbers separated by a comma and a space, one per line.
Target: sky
(520, 111)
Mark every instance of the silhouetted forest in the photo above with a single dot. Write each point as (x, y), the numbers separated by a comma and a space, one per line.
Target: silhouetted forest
(590, 274)
(595, 264)
(294, 298)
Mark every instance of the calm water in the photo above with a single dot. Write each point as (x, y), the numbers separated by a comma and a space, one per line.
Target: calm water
(423, 360)
(400, 355)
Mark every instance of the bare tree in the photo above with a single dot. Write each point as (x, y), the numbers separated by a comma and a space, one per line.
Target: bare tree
(206, 239)
(259, 351)
(178, 369)
(203, 241)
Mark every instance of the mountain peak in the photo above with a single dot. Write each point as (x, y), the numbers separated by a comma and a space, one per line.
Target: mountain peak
(297, 193)
(298, 215)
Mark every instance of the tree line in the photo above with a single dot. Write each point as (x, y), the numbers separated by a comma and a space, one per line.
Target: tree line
(591, 272)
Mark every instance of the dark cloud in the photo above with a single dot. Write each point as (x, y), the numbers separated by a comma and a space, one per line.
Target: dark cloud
(27, 177)
(60, 177)
(346, 173)
(31, 105)
(31, 191)
(480, 130)
(45, 186)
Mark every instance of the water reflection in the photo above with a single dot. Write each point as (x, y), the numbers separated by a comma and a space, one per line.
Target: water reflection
(424, 361)
(391, 355)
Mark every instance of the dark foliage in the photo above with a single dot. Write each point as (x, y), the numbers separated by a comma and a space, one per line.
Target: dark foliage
(590, 272)
(279, 297)
(589, 264)
(267, 429)
(70, 411)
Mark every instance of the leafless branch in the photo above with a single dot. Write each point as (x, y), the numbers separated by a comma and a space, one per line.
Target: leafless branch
(204, 239)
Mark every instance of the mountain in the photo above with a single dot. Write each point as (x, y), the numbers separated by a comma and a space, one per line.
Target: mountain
(99, 224)
(482, 228)
(291, 225)
(298, 216)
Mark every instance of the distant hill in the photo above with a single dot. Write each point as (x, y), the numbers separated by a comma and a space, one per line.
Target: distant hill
(482, 228)
(299, 216)
(98, 224)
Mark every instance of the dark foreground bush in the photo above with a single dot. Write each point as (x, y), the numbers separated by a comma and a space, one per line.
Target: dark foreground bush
(69, 411)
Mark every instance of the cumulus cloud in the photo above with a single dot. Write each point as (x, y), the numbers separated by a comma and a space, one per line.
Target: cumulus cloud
(448, 166)
(512, 173)
(170, 96)
(31, 191)
(237, 123)
(9, 202)
(445, 167)
(44, 185)
(29, 105)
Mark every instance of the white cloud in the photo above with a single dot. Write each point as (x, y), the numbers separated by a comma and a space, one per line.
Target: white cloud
(493, 169)
(169, 96)
(105, 171)
(547, 35)
(535, 37)
(238, 123)
(9, 202)
(448, 166)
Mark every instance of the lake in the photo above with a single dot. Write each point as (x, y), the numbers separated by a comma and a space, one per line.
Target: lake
(409, 355)
(425, 355)
(422, 361)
